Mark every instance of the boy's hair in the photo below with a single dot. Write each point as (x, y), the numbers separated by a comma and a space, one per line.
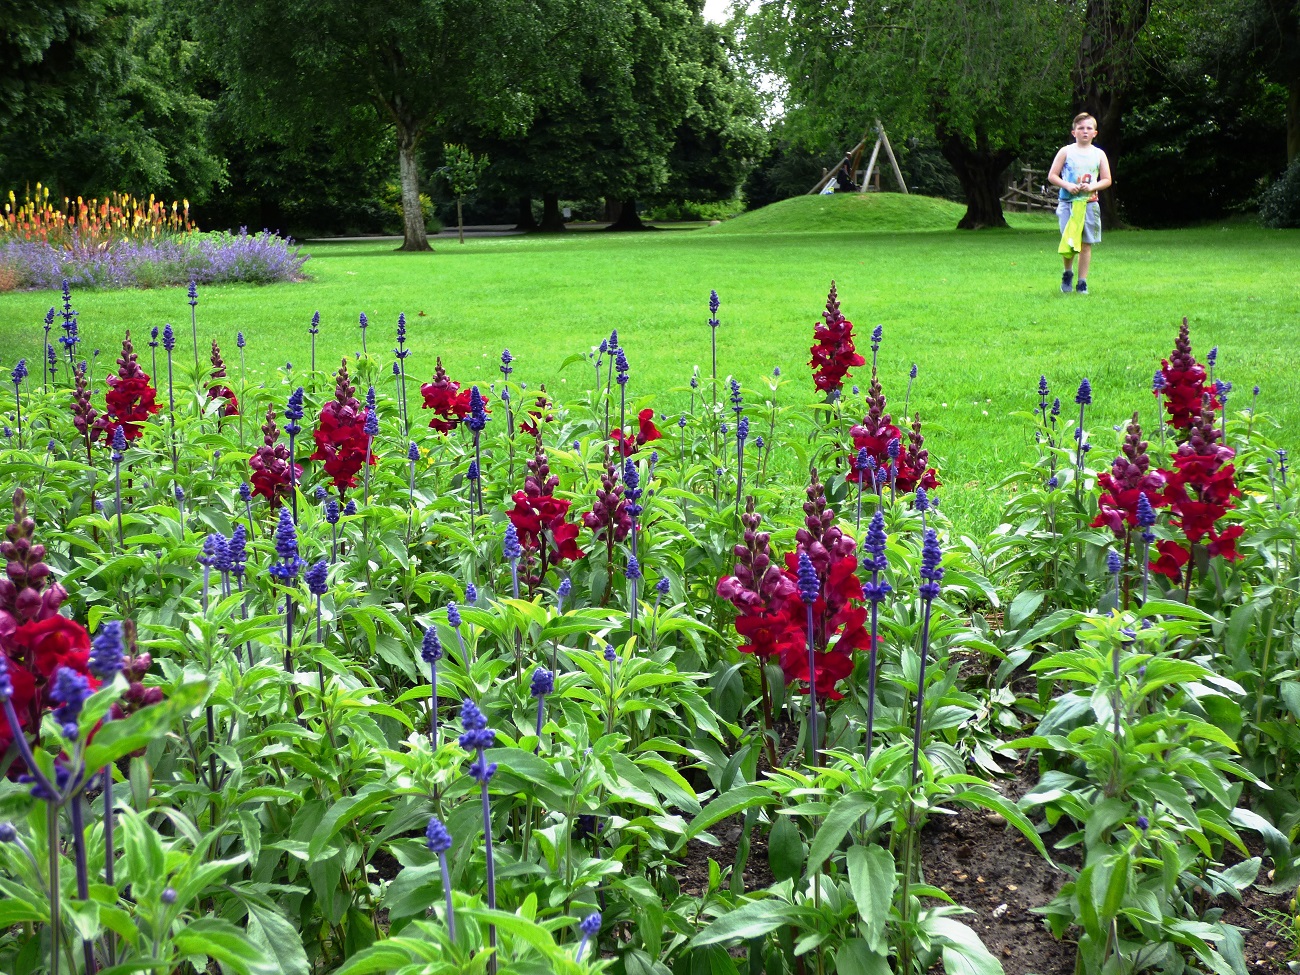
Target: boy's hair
(1080, 117)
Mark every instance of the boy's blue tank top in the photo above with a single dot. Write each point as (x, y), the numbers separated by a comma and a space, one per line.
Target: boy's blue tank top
(1078, 161)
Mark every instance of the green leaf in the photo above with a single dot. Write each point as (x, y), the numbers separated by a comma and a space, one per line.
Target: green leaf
(1116, 887)
(212, 937)
(345, 811)
(846, 811)
(278, 938)
(752, 920)
(855, 958)
(785, 849)
(728, 804)
(963, 951)
(1024, 606)
(872, 878)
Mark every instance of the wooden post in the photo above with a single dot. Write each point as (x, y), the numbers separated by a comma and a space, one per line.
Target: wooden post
(889, 152)
(866, 177)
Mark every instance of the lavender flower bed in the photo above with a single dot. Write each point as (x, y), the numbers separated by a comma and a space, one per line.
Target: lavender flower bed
(208, 258)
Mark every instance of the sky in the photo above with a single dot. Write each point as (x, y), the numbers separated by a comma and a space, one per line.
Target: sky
(717, 10)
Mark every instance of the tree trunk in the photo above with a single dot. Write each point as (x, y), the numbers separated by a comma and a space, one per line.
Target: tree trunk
(526, 219)
(552, 219)
(460, 221)
(628, 218)
(414, 237)
(1107, 53)
(613, 209)
(982, 174)
(1293, 121)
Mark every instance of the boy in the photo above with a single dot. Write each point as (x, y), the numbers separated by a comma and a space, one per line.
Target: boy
(1081, 171)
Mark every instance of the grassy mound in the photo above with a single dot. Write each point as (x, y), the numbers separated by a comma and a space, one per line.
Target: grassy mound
(848, 213)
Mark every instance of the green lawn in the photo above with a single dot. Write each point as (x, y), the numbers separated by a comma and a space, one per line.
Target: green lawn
(979, 313)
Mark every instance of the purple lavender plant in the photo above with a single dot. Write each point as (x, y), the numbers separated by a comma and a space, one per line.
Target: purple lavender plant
(246, 496)
(742, 434)
(809, 588)
(861, 464)
(512, 551)
(431, 653)
(46, 374)
(875, 591)
(285, 572)
(1083, 397)
(590, 928)
(314, 329)
(894, 449)
(293, 412)
(363, 323)
(476, 421)
(542, 684)
(439, 842)
(193, 294)
(169, 344)
(17, 376)
(911, 378)
(932, 577)
(714, 305)
(1146, 519)
(399, 371)
(332, 519)
(477, 737)
(119, 446)
(412, 455)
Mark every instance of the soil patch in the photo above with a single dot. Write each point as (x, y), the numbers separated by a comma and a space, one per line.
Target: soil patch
(989, 867)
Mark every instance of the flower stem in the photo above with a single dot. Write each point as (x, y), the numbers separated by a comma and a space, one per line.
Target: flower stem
(446, 889)
(83, 880)
(812, 693)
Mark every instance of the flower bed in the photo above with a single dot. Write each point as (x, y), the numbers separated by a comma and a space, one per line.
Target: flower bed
(208, 258)
(470, 681)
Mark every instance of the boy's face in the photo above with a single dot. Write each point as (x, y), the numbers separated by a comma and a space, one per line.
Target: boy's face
(1085, 131)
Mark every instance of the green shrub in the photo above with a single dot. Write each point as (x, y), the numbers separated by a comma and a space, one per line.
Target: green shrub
(1280, 205)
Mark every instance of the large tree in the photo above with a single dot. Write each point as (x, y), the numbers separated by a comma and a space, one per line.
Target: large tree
(418, 65)
(984, 76)
(1104, 71)
(657, 109)
(102, 95)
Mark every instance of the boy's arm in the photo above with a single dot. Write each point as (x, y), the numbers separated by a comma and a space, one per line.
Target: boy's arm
(1054, 174)
(1104, 178)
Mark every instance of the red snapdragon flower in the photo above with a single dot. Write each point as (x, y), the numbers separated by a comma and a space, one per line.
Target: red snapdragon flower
(759, 590)
(84, 414)
(833, 352)
(1185, 386)
(608, 518)
(541, 520)
(875, 432)
(913, 463)
(340, 435)
(450, 404)
(1130, 476)
(219, 390)
(129, 400)
(538, 414)
(1200, 491)
(627, 444)
(270, 464)
(34, 638)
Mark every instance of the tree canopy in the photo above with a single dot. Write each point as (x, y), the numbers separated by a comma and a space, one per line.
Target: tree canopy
(419, 66)
(982, 76)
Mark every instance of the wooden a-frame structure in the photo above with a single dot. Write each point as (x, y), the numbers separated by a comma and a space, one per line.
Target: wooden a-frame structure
(855, 157)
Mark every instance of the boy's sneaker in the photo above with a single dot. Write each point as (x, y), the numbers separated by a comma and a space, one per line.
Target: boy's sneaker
(1081, 288)
(1066, 279)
